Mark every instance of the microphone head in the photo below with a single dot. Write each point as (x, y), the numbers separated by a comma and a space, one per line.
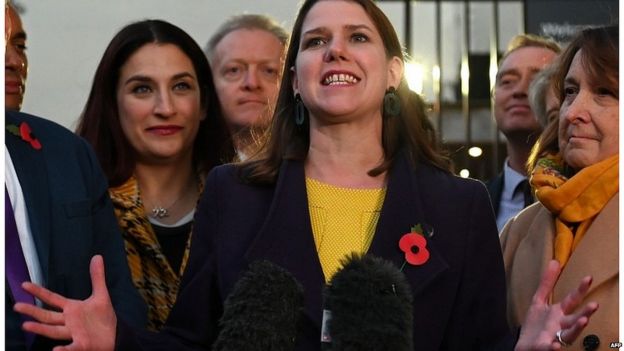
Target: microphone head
(262, 311)
(371, 306)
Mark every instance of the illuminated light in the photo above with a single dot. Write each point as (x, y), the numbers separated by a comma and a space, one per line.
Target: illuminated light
(465, 76)
(435, 74)
(464, 173)
(493, 72)
(415, 75)
(475, 151)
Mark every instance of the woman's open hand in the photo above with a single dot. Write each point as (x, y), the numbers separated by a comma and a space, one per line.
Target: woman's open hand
(544, 321)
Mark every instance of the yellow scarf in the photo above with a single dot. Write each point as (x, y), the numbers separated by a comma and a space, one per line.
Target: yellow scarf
(574, 202)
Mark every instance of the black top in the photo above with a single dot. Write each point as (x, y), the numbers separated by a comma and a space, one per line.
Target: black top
(173, 242)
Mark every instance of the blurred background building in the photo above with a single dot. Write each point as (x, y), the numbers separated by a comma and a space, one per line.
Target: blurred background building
(453, 47)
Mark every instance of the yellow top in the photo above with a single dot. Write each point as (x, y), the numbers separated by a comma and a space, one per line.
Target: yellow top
(343, 221)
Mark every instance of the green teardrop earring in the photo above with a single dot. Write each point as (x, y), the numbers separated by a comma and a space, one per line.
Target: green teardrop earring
(300, 111)
(391, 104)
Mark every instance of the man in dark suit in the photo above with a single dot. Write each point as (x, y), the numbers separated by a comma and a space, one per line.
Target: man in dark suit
(525, 56)
(64, 217)
(57, 211)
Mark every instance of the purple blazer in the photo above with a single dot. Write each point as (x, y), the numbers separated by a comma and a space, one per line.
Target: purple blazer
(459, 293)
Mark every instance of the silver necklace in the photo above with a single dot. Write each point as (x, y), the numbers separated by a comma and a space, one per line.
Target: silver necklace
(160, 212)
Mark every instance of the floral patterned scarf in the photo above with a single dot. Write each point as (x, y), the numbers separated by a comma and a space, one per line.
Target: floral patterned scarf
(575, 202)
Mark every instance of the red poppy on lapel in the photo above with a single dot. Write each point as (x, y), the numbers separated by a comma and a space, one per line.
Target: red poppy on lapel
(414, 245)
(25, 133)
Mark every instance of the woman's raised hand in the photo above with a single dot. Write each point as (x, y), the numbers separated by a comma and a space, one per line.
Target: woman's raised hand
(549, 327)
(89, 324)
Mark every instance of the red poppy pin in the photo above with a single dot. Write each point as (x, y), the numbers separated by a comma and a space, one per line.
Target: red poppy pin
(414, 245)
(24, 132)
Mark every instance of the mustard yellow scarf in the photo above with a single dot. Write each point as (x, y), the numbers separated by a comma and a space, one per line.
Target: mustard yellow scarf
(576, 201)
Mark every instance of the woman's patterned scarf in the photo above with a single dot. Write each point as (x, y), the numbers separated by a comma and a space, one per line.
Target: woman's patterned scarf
(576, 201)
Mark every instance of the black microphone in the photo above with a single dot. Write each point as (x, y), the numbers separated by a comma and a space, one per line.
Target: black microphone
(368, 307)
(262, 311)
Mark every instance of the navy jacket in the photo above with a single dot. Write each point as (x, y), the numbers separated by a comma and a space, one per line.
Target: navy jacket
(495, 189)
(459, 294)
(71, 219)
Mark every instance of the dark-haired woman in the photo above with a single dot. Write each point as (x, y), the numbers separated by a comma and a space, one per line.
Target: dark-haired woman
(154, 121)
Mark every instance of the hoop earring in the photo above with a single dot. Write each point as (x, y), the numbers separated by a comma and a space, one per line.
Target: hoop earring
(391, 104)
(300, 111)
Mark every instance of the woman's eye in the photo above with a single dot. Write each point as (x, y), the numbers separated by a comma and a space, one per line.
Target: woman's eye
(358, 37)
(182, 86)
(313, 42)
(141, 89)
(568, 91)
(606, 92)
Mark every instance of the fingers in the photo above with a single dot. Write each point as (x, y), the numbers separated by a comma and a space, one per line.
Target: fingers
(588, 310)
(547, 283)
(56, 332)
(45, 295)
(98, 277)
(40, 314)
(70, 347)
(573, 325)
(575, 297)
(569, 335)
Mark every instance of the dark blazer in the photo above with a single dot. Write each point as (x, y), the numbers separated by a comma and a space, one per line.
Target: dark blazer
(459, 294)
(495, 189)
(71, 219)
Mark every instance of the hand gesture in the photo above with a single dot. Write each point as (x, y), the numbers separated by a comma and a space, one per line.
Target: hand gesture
(549, 327)
(89, 324)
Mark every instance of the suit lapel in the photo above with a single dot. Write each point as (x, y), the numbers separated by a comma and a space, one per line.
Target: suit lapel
(30, 167)
(402, 209)
(596, 254)
(286, 237)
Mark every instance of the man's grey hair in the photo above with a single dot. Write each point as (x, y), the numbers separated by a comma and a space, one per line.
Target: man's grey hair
(246, 21)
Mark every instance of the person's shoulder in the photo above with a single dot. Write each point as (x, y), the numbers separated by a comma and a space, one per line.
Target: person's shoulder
(226, 185)
(236, 173)
(519, 226)
(447, 181)
(224, 171)
(527, 216)
(229, 175)
(45, 130)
